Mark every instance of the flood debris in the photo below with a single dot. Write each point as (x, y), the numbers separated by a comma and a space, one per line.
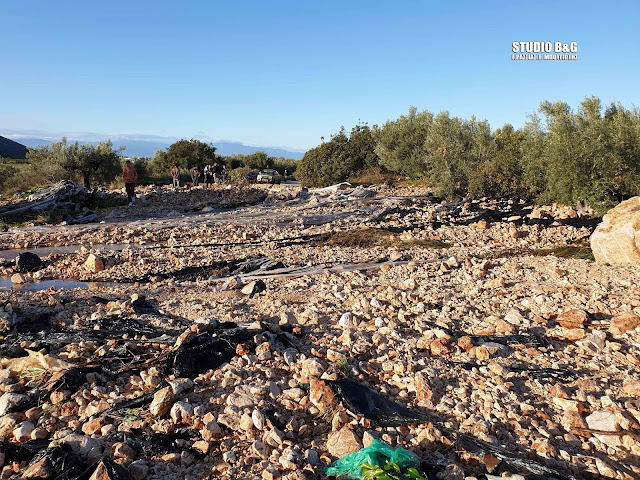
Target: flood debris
(182, 375)
(28, 262)
(206, 352)
(373, 406)
(515, 462)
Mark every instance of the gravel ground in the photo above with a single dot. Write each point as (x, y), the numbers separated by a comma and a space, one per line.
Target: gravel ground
(466, 316)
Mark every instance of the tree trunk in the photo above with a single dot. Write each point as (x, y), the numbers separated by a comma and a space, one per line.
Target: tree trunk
(87, 180)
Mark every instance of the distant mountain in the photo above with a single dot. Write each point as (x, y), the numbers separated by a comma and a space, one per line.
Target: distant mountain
(11, 149)
(147, 148)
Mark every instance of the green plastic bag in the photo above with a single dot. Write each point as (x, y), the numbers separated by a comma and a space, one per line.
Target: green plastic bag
(378, 453)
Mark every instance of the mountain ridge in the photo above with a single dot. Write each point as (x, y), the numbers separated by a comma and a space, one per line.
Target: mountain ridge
(147, 148)
(11, 149)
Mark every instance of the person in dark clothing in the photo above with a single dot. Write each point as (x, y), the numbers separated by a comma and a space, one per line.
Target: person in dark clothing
(208, 174)
(195, 176)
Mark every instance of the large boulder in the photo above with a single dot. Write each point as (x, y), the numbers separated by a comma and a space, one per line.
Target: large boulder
(617, 238)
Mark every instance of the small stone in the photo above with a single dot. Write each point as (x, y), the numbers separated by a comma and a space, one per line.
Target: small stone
(258, 419)
(253, 288)
(18, 278)
(312, 457)
(94, 263)
(138, 469)
(162, 401)
(465, 343)
(246, 422)
(439, 347)
(514, 317)
(572, 318)
(23, 432)
(342, 442)
(202, 446)
(180, 385)
(623, 323)
(229, 456)
(229, 421)
(10, 400)
(93, 425)
(122, 450)
(39, 434)
(182, 413)
(482, 224)
(41, 469)
(631, 386)
(211, 431)
(603, 420)
(368, 437)
(260, 449)
(347, 320)
(321, 395)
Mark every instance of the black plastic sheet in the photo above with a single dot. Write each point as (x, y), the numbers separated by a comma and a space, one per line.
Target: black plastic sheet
(374, 406)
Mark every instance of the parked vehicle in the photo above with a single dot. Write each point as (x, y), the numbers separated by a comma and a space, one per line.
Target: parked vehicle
(252, 176)
(269, 176)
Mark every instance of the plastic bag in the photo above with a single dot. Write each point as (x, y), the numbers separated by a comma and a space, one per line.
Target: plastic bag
(371, 405)
(378, 453)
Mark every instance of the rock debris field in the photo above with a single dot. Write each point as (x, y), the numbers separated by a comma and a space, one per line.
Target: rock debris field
(234, 332)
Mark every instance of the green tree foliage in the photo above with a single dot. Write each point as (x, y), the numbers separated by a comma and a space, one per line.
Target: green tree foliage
(340, 158)
(445, 149)
(7, 172)
(184, 153)
(400, 144)
(502, 174)
(87, 163)
(258, 161)
(289, 164)
(586, 156)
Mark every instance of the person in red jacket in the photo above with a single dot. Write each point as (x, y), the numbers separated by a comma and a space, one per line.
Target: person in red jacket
(130, 176)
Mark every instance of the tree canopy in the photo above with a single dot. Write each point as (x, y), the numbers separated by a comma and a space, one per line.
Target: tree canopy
(184, 153)
(87, 163)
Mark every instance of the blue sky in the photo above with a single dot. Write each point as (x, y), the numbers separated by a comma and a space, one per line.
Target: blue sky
(285, 73)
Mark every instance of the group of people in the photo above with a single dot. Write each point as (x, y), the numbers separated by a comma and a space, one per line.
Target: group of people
(212, 174)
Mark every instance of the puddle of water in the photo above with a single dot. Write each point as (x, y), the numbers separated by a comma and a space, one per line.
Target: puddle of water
(44, 252)
(7, 284)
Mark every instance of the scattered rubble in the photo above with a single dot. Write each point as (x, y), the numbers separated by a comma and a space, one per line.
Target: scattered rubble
(242, 344)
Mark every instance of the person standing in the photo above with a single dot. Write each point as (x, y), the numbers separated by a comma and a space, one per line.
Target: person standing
(175, 174)
(130, 176)
(207, 176)
(195, 176)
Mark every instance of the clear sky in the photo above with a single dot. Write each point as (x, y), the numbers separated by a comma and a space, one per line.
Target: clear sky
(285, 73)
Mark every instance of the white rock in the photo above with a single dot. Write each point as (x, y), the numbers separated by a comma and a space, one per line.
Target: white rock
(9, 400)
(182, 412)
(603, 420)
(347, 320)
(23, 432)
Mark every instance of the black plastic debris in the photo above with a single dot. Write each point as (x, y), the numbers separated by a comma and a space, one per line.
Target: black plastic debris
(132, 403)
(374, 406)
(61, 464)
(28, 262)
(148, 444)
(34, 325)
(516, 462)
(206, 352)
(108, 469)
(255, 265)
(258, 286)
(18, 452)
